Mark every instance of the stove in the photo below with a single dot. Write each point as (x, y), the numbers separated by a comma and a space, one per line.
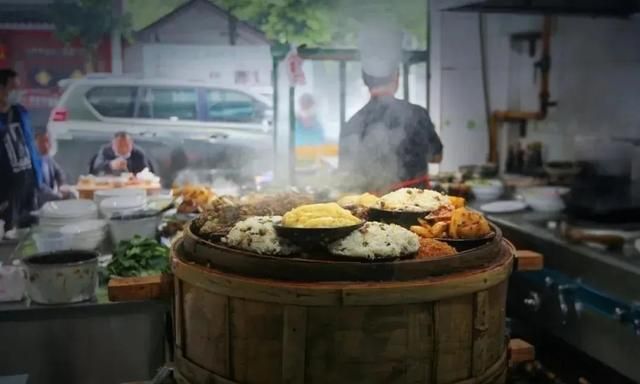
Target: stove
(588, 294)
(620, 239)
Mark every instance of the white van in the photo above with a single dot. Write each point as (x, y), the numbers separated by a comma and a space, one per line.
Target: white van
(179, 124)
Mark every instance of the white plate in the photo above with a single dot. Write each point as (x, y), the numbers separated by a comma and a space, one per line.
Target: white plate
(504, 206)
(62, 209)
(58, 223)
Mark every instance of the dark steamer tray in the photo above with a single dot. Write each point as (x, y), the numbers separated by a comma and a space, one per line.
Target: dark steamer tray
(403, 219)
(465, 244)
(311, 268)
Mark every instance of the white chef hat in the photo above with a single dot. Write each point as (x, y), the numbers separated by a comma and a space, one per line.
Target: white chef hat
(380, 46)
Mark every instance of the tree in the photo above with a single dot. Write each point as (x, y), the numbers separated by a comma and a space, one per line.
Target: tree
(286, 21)
(87, 22)
(316, 23)
(325, 22)
(145, 12)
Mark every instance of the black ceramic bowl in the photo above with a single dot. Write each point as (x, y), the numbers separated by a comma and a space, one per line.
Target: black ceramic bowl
(465, 244)
(403, 219)
(315, 236)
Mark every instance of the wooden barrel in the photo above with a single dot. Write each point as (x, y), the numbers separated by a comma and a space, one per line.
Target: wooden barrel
(232, 328)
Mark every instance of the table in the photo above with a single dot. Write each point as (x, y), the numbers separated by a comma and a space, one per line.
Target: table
(87, 191)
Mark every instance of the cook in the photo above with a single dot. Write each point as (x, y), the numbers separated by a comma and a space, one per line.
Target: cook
(388, 143)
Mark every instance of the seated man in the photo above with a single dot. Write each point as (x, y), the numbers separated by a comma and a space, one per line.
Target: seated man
(120, 156)
(52, 175)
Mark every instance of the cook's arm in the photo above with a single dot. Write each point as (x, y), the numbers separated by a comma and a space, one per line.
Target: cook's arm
(433, 142)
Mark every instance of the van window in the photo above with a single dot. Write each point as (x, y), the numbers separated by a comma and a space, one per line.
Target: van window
(169, 103)
(115, 101)
(226, 105)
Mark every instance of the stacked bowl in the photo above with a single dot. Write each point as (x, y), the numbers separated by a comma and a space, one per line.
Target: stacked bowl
(86, 235)
(122, 205)
(56, 214)
(103, 194)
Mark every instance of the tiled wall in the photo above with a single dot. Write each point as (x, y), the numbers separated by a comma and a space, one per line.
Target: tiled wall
(595, 78)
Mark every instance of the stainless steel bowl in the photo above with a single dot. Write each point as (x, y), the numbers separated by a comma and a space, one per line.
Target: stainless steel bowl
(62, 277)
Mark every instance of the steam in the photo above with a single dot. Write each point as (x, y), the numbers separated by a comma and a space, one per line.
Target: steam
(372, 161)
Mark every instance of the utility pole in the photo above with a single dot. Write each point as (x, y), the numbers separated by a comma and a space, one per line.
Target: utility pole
(116, 39)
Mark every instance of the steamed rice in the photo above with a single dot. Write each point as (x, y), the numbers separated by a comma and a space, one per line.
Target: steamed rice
(412, 200)
(257, 234)
(377, 240)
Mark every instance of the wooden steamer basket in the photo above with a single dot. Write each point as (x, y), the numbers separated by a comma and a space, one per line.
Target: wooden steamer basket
(408, 321)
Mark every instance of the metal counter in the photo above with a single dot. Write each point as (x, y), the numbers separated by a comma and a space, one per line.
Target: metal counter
(585, 296)
(88, 343)
(615, 272)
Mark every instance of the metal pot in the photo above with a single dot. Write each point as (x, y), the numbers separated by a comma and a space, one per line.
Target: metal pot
(62, 277)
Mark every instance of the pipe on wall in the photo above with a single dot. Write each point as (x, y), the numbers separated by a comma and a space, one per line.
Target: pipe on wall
(497, 118)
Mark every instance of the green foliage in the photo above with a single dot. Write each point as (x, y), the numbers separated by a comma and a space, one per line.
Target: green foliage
(139, 257)
(316, 23)
(286, 21)
(87, 21)
(145, 12)
(326, 22)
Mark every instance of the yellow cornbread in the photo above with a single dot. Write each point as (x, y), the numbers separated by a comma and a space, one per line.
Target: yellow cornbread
(328, 215)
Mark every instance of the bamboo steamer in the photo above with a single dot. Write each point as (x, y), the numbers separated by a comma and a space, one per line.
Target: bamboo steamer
(438, 328)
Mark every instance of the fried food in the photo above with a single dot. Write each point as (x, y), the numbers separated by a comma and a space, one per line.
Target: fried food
(462, 223)
(328, 215)
(457, 202)
(222, 214)
(426, 230)
(467, 224)
(195, 198)
(441, 214)
(439, 229)
(423, 230)
(430, 248)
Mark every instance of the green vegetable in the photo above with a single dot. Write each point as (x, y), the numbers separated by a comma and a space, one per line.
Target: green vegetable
(139, 257)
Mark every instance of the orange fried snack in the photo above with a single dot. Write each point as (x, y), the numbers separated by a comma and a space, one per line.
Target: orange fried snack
(468, 224)
(195, 198)
(430, 248)
(441, 214)
(457, 202)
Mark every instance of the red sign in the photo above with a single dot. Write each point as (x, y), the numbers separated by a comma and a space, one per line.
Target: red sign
(39, 98)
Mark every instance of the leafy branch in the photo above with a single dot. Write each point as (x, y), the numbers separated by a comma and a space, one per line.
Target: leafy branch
(87, 22)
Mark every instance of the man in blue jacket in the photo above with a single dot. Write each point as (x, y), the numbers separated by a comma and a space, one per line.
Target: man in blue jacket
(20, 172)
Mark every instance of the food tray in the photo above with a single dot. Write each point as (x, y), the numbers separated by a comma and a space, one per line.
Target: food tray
(323, 267)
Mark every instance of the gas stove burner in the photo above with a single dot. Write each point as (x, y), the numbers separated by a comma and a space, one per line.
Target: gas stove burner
(616, 237)
(587, 224)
